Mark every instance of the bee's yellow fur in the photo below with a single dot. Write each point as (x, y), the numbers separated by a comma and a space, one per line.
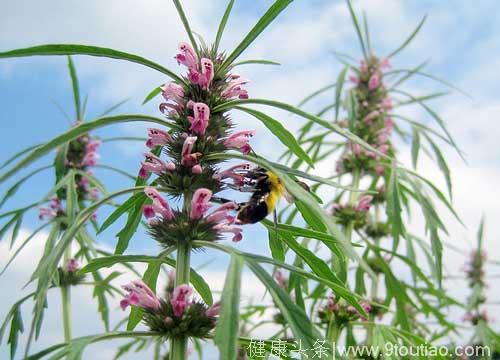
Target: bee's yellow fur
(276, 191)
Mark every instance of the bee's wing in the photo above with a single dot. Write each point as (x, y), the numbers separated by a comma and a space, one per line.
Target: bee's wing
(288, 197)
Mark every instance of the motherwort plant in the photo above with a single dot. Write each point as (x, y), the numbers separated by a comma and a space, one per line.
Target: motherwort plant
(176, 190)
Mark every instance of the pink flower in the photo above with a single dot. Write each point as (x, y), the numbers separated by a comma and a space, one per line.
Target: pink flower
(374, 82)
(92, 145)
(187, 56)
(231, 173)
(388, 123)
(213, 310)
(160, 205)
(363, 67)
(239, 140)
(90, 159)
(366, 306)
(371, 116)
(385, 63)
(233, 88)
(379, 169)
(46, 213)
(157, 137)
(174, 92)
(384, 149)
(94, 193)
(364, 203)
(55, 203)
(180, 299)
(153, 164)
(383, 135)
(221, 213)
(72, 265)
(199, 122)
(356, 149)
(354, 79)
(200, 203)
(386, 104)
(280, 279)
(139, 294)
(207, 73)
(197, 169)
(225, 228)
(189, 158)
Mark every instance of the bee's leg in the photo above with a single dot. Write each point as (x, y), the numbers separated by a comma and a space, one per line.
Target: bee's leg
(241, 188)
(224, 201)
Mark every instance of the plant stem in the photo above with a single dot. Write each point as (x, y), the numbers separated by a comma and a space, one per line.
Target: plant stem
(179, 344)
(66, 302)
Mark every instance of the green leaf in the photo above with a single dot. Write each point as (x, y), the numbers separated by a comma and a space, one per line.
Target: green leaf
(275, 245)
(443, 166)
(358, 29)
(302, 327)
(260, 62)
(127, 205)
(280, 132)
(133, 221)
(409, 39)
(415, 147)
(73, 133)
(338, 91)
(113, 108)
(16, 155)
(262, 24)
(73, 49)
(337, 288)
(185, 22)
(393, 208)
(155, 92)
(316, 93)
(227, 330)
(13, 189)
(480, 233)
(25, 242)
(222, 24)
(76, 89)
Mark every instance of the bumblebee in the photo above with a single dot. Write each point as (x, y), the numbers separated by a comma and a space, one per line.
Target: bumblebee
(266, 188)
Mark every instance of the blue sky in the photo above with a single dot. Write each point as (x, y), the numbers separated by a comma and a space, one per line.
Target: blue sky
(460, 40)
